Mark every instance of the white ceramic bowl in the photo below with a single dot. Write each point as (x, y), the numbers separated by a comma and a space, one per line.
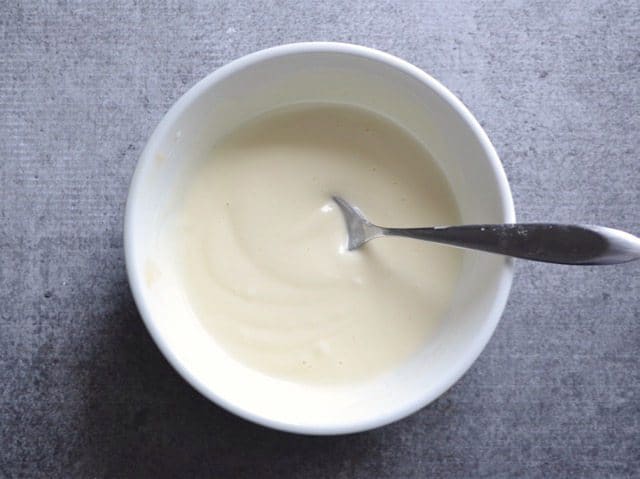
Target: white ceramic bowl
(347, 74)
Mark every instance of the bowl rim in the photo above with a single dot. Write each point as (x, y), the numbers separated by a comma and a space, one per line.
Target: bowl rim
(135, 276)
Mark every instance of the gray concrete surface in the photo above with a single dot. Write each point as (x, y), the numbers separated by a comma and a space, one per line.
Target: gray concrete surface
(85, 393)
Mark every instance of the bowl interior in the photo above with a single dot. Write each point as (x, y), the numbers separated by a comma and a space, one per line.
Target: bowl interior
(320, 73)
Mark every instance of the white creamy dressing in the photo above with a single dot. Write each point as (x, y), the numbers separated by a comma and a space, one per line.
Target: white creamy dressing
(259, 244)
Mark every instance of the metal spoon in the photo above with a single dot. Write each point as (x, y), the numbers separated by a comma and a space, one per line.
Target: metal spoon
(551, 243)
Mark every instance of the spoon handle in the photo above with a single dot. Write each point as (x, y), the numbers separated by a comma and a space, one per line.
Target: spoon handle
(551, 243)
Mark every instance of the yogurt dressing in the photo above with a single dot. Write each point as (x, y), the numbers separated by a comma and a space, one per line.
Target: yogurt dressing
(259, 246)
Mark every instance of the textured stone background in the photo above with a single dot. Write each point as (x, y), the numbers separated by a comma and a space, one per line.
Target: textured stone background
(84, 391)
